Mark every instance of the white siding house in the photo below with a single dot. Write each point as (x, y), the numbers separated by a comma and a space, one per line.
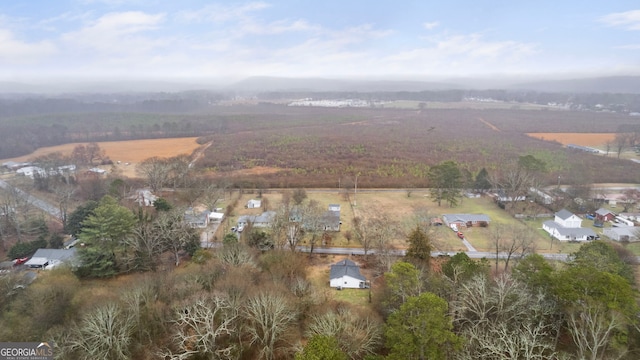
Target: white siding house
(567, 219)
(346, 274)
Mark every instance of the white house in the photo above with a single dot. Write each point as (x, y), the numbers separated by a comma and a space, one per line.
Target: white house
(566, 226)
(216, 216)
(31, 171)
(567, 219)
(562, 233)
(254, 204)
(346, 274)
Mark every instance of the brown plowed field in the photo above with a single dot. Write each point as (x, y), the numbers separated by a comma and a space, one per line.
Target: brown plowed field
(131, 151)
(576, 138)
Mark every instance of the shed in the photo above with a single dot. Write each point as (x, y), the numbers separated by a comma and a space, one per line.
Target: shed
(622, 233)
(254, 204)
(346, 274)
(603, 214)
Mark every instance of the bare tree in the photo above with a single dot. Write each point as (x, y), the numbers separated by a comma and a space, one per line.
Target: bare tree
(591, 328)
(511, 241)
(104, 333)
(620, 142)
(64, 195)
(203, 326)
(176, 233)
(358, 335)
(269, 317)
(504, 319)
(372, 227)
(156, 172)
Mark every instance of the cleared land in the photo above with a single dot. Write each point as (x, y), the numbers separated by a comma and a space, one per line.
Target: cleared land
(598, 139)
(127, 151)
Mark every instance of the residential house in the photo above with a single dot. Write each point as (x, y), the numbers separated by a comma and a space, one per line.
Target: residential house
(216, 216)
(567, 226)
(262, 220)
(51, 258)
(346, 274)
(466, 220)
(603, 214)
(567, 219)
(541, 196)
(329, 220)
(622, 233)
(144, 197)
(254, 204)
(501, 196)
(32, 171)
(197, 219)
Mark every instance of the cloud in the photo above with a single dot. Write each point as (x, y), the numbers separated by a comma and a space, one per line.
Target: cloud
(431, 25)
(460, 54)
(117, 32)
(15, 51)
(218, 13)
(629, 20)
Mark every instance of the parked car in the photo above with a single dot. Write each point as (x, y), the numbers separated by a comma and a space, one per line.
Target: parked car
(20, 261)
(460, 235)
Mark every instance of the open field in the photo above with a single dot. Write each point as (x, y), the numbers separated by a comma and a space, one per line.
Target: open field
(131, 151)
(596, 139)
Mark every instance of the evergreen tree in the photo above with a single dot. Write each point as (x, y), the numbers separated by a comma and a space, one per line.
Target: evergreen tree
(445, 183)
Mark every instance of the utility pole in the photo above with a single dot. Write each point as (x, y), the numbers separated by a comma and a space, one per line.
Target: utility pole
(355, 192)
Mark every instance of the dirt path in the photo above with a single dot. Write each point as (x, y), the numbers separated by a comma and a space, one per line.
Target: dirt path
(200, 153)
(490, 125)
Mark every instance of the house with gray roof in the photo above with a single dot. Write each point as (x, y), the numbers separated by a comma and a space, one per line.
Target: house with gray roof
(50, 258)
(346, 274)
(622, 233)
(603, 214)
(262, 220)
(567, 219)
(567, 226)
(466, 220)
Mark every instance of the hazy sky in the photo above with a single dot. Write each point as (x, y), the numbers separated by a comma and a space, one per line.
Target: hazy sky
(373, 38)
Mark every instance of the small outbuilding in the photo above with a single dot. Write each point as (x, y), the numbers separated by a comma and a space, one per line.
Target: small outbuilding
(254, 204)
(603, 214)
(346, 274)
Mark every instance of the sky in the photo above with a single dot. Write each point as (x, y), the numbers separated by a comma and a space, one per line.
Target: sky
(412, 40)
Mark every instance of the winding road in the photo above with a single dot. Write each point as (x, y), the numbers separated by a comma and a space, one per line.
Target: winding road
(41, 204)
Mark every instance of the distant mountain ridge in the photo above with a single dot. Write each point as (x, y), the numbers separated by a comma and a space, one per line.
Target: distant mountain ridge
(609, 84)
(257, 84)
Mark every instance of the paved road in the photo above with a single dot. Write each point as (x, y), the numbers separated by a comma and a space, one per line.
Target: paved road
(45, 206)
(471, 254)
